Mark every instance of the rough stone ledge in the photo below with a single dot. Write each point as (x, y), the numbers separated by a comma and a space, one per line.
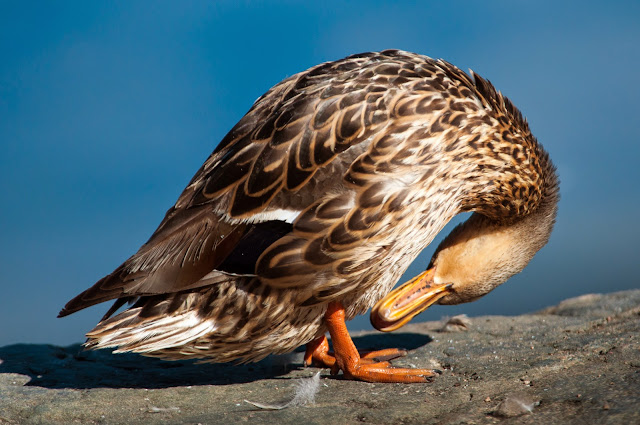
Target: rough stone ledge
(577, 362)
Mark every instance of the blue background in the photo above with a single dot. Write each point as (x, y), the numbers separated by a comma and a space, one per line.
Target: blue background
(107, 109)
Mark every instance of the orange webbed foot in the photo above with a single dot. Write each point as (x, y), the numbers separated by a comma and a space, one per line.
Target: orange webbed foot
(318, 354)
(384, 372)
(369, 366)
(383, 355)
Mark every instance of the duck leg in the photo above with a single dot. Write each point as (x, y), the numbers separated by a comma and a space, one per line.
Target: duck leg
(367, 367)
(317, 353)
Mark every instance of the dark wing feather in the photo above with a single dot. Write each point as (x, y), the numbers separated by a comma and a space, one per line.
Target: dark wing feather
(256, 240)
(188, 245)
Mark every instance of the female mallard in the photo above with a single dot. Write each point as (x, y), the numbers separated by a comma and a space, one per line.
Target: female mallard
(318, 200)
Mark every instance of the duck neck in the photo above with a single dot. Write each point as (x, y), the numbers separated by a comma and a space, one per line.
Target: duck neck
(491, 246)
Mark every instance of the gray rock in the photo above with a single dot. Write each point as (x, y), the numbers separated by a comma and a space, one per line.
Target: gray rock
(578, 362)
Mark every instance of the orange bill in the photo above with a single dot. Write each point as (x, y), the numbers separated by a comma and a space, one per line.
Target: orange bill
(406, 301)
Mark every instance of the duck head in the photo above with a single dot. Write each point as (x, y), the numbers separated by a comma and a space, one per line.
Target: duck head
(475, 258)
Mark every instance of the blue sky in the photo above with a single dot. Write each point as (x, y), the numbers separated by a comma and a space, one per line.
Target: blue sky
(107, 109)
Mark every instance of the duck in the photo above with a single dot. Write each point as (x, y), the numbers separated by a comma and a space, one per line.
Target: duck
(314, 204)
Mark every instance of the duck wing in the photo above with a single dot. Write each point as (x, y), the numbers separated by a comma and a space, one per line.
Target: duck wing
(305, 138)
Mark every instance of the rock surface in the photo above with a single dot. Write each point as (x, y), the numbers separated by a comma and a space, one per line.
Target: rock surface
(578, 362)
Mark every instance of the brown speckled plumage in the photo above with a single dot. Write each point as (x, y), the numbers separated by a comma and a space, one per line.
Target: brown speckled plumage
(327, 189)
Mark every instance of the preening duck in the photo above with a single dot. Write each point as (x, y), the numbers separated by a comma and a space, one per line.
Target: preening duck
(314, 204)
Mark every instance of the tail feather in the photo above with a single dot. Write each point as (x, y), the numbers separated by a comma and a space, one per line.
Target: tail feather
(130, 333)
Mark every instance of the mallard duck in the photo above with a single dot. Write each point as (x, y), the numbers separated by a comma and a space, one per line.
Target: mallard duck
(316, 202)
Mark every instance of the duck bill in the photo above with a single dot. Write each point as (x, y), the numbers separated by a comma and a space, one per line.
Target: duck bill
(406, 301)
